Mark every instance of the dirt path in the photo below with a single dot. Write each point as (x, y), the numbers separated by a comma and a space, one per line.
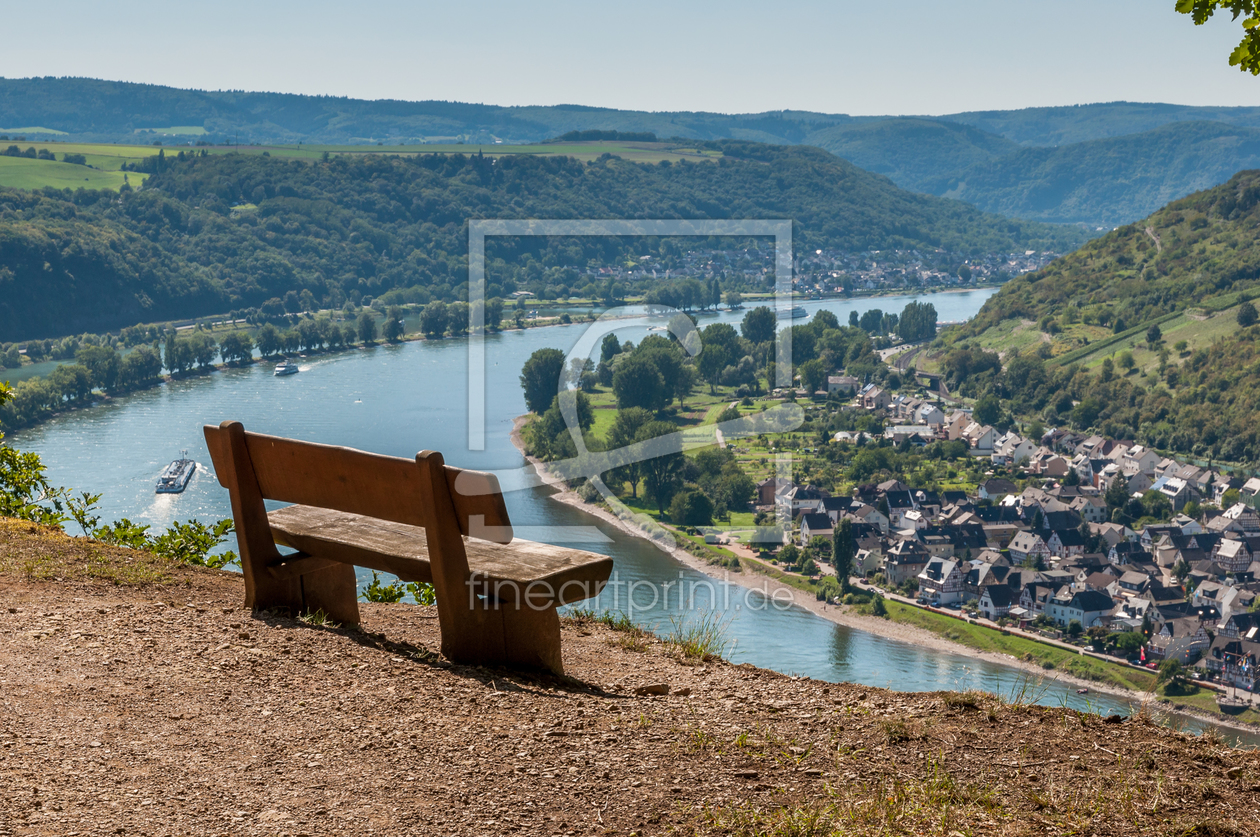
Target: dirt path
(164, 708)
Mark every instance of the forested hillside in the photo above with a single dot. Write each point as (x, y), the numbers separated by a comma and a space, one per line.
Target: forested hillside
(1099, 164)
(1081, 123)
(1147, 333)
(115, 111)
(912, 152)
(210, 234)
(1104, 182)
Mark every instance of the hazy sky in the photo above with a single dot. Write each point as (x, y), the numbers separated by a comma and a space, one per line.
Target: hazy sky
(874, 57)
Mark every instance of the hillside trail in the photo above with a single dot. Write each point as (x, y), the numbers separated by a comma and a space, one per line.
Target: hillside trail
(139, 697)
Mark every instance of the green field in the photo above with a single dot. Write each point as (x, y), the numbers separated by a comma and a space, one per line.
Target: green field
(36, 130)
(104, 156)
(25, 173)
(1199, 332)
(108, 157)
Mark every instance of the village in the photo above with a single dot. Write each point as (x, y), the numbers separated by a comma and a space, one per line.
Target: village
(826, 272)
(1057, 556)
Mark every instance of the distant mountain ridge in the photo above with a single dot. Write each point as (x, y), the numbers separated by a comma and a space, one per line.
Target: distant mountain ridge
(1039, 163)
(1107, 181)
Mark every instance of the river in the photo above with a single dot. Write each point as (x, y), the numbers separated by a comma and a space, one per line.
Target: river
(400, 399)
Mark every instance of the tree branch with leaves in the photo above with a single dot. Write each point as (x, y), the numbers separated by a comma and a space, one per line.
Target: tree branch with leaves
(1246, 56)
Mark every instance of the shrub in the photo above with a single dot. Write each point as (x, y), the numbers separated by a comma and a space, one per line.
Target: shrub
(387, 593)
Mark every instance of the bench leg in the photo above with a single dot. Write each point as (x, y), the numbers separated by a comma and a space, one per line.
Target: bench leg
(503, 635)
(334, 591)
(263, 592)
(531, 638)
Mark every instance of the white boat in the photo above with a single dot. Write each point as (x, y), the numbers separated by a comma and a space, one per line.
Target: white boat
(286, 367)
(177, 475)
(793, 313)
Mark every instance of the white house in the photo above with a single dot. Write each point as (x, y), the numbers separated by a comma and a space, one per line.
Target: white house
(1026, 544)
(996, 601)
(941, 581)
(814, 524)
(930, 415)
(979, 437)
(873, 516)
(1012, 449)
(1139, 460)
(1089, 607)
(842, 383)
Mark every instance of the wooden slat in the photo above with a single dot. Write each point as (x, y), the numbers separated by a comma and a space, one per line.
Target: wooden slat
(371, 484)
(556, 573)
(217, 443)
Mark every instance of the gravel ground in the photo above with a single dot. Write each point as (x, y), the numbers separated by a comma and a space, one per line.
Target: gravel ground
(138, 697)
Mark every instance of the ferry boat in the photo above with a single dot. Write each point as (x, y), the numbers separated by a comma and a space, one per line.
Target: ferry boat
(176, 476)
(286, 367)
(793, 313)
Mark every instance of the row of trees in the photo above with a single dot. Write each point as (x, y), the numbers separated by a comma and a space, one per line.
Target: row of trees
(101, 366)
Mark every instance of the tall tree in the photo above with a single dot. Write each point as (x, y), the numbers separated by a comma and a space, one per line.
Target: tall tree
(639, 383)
(540, 378)
(662, 474)
(843, 551)
(367, 328)
(434, 319)
(712, 360)
(758, 325)
(392, 329)
(624, 431)
(609, 348)
(102, 362)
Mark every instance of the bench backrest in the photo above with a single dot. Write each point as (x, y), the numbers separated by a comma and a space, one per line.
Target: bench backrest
(358, 482)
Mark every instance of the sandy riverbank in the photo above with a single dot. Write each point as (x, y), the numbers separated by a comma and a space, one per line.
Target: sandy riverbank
(886, 628)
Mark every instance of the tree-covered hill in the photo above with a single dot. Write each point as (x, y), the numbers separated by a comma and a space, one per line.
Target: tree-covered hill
(1193, 249)
(1108, 181)
(1065, 125)
(214, 233)
(912, 152)
(114, 110)
(1147, 333)
(1063, 175)
(72, 266)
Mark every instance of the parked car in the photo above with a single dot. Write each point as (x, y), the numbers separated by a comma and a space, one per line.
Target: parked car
(954, 606)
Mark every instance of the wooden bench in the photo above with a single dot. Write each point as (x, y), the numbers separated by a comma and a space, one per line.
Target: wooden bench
(496, 595)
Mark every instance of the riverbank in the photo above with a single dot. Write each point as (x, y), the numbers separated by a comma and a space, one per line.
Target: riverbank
(1037, 674)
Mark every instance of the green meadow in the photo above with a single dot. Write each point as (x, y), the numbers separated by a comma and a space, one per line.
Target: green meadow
(36, 130)
(25, 173)
(105, 160)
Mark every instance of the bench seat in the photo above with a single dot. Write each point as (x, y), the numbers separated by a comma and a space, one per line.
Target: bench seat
(545, 574)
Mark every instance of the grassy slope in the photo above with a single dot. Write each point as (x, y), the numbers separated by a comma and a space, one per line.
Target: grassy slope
(987, 639)
(1087, 668)
(1186, 268)
(25, 173)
